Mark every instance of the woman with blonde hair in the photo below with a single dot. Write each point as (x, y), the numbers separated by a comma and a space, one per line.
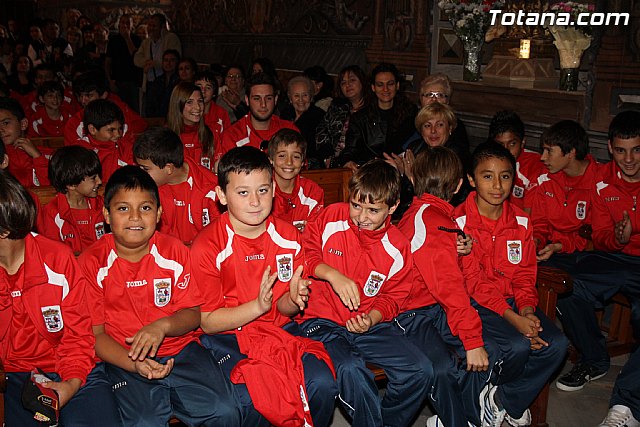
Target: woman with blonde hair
(186, 118)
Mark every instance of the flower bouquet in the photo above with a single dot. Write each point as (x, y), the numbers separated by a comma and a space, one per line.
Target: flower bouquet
(470, 20)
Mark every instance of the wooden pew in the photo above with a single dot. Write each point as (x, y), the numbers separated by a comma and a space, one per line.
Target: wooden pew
(48, 142)
(334, 182)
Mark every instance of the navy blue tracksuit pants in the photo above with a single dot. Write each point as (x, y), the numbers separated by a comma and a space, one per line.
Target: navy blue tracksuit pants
(626, 390)
(455, 391)
(408, 370)
(519, 372)
(597, 276)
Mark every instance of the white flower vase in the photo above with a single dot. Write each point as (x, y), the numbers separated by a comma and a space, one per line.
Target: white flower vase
(472, 57)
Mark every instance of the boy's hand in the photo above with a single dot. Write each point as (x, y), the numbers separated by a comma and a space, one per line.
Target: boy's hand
(477, 360)
(65, 389)
(351, 165)
(531, 316)
(346, 289)
(27, 146)
(623, 229)
(537, 343)
(359, 324)
(265, 296)
(299, 289)
(145, 342)
(464, 245)
(152, 370)
(546, 252)
(524, 325)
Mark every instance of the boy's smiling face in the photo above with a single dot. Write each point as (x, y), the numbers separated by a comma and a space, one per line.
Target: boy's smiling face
(287, 161)
(88, 187)
(111, 132)
(133, 216)
(249, 198)
(492, 179)
(369, 216)
(10, 127)
(52, 100)
(626, 154)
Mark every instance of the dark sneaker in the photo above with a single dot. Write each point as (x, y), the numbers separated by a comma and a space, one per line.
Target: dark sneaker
(578, 376)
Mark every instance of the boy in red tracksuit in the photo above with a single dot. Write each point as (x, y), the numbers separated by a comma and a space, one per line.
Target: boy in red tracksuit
(438, 316)
(215, 117)
(362, 269)
(256, 128)
(91, 86)
(187, 191)
(615, 266)
(144, 311)
(250, 266)
(103, 121)
(561, 205)
(27, 162)
(297, 200)
(74, 216)
(50, 117)
(507, 129)
(524, 346)
(44, 321)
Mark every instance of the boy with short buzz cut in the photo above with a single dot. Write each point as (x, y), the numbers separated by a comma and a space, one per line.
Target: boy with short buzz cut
(45, 324)
(145, 308)
(187, 191)
(27, 162)
(74, 216)
(252, 264)
(297, 200)
(524, 346)
(615, 266)
(507, 129)
(437, 316)
(561, 205)
(362, 269)
(103, 121)
(52, 114)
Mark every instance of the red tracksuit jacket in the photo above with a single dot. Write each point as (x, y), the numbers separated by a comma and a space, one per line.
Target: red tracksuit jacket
(242, 133)
(112, 156)
(29, 171)
(44, 318)
(77, 228)
(437, 278)
(193, 147)
(613, 195)
(561, 205)
(230, 267)
(218, 120)
(528, 169)
(43, 126)
(190, 206)
(126, 296)
(302, 205)
(380, 262)
(502, 263)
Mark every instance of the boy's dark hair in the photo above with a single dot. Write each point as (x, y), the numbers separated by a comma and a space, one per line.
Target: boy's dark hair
(70, 165)
(287, 137)
(17, 208)
(375, 181)
(491, 149)
(242, 160)
(130, 178)
(260, 79)
(625, 125)
(50, 86)
(101, 112)
(506, 121)
(12, 106)
(210, 77)
(437, 171)
(161, 145)
(90, 81)
(568, 135)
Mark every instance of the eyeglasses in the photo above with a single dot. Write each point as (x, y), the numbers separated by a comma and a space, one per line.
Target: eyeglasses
(234, 76)
(438, 95)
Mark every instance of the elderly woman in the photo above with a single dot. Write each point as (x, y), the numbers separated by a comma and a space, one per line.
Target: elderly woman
(232, 94)
(304, 114)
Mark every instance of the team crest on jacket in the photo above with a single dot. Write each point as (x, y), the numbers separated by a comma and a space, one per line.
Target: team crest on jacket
(581, 209)
(518, 192)
(162, 291)
(374, 283)
(205, 217)
(514, 251)
(285, 267)
(99, 230)
(206, 162)
(52, 318)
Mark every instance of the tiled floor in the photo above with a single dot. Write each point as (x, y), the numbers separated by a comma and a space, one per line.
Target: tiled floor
(584, 408)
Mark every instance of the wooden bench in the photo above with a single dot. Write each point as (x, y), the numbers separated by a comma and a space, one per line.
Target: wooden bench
(48, 142)
(334, 182)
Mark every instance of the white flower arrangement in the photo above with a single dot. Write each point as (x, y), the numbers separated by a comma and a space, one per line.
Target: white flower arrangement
(469, 19)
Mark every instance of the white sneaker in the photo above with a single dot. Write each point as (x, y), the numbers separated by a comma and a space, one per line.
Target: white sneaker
(490, 414)
(434, 421)
(619, 416)
(524, 420)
